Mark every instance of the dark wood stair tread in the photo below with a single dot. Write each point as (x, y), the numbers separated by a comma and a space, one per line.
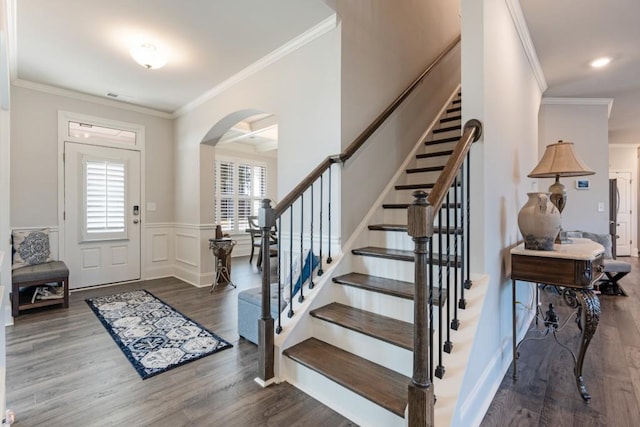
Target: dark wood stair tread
(414, 186)
(376, 383)
(427, 169)
(399, 255)
(384, 328)
(434, 154)
(403, 228)
(454, 109)
(443, 140)
(450, 119)
(383, 285)
(419, 186)
(447, 129)
(406, 205)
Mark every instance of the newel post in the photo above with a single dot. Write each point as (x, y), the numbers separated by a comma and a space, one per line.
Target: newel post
(420, 228)
(266, 221)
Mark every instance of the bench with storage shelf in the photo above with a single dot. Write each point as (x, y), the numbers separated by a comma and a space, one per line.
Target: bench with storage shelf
(27, 280)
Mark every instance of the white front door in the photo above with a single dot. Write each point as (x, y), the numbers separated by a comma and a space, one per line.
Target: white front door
(102, 214)
(623, 220)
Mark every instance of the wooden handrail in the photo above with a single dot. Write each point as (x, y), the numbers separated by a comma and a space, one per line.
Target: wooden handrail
(357, 143)
(472, 132)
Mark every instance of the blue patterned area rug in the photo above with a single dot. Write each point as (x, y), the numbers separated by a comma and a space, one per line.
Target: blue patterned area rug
(153, 335)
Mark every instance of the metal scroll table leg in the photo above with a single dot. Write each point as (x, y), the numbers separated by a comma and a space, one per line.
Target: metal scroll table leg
(590, 317)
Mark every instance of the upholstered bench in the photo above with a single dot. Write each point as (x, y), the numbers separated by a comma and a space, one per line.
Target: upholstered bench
(614, 269)
(38, 275)
(249, 311)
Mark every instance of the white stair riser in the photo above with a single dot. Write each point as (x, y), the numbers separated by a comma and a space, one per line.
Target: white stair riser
(385, 305)
(372, 349)
(381, 267)
(351, 405)
(429, 161)
(402, 240)
(420, 177)
(399, 216)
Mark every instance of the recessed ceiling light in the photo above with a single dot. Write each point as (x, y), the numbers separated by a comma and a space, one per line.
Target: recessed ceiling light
(600, 62)
(148, 55)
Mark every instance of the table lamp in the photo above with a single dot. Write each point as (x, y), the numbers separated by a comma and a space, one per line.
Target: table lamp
(558, 160)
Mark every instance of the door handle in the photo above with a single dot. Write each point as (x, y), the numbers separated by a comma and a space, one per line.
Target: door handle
(135, 221)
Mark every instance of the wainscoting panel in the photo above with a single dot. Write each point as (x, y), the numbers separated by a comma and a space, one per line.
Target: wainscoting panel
(159, 259)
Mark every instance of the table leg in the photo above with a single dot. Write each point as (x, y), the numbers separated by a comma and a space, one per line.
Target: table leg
(590, 317)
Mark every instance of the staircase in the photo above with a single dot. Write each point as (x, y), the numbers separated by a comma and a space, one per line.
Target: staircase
(359, 357)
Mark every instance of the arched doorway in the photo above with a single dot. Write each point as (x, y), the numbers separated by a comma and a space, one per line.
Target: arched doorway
(238, 170)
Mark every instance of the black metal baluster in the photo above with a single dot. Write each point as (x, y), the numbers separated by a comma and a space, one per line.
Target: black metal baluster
(329, 259)
(462, 303)
(311, 284)
(279, 327)
(290, 313)
(455, 323)
(467, 282)
(448, 345)
(301, 297)
(440, 368)
(320, 270)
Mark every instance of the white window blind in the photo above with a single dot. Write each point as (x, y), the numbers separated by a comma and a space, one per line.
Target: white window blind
(104, 199)
(239, 187)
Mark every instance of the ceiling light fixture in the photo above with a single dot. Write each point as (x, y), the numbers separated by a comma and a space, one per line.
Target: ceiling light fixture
(600, 62)
(148, 56)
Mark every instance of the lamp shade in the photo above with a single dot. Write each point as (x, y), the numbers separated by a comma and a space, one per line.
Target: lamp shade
(559, 159)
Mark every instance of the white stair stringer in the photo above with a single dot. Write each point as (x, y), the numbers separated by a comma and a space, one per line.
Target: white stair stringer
(447, 389)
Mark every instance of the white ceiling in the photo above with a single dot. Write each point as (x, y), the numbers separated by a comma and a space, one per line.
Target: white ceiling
(84, 46)
(568, 34)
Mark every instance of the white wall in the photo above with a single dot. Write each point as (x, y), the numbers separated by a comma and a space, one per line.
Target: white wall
(385, 46)
(587, 127)
(303, 90)
(34, 145)
(500, 89)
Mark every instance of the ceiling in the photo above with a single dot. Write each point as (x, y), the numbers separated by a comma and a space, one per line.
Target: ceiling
(569, 34)
(84, 46)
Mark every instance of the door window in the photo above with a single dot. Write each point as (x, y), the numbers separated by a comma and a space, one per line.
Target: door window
(104, 199)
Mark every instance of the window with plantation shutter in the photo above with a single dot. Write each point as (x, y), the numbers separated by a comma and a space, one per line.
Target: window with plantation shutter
(239, 187)
(104, 200)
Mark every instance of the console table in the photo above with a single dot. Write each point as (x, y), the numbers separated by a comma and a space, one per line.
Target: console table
(574, 266)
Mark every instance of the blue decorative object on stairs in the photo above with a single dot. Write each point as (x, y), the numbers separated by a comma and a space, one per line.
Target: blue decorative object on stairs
(153, 335)
(310, 264)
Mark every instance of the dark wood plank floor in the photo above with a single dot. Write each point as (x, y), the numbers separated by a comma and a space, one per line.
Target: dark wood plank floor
(545, 393)
(63, 369)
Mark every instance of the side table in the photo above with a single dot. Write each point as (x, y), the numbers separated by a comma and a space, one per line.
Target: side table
(575, 266)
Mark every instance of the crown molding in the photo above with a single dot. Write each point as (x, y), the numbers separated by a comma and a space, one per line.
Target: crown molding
(525, 38)
(580, 101)
(90, 98)
(313, 33)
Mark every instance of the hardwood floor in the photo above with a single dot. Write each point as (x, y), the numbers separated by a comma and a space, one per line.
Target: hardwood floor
(63, 369)
(545, 393)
